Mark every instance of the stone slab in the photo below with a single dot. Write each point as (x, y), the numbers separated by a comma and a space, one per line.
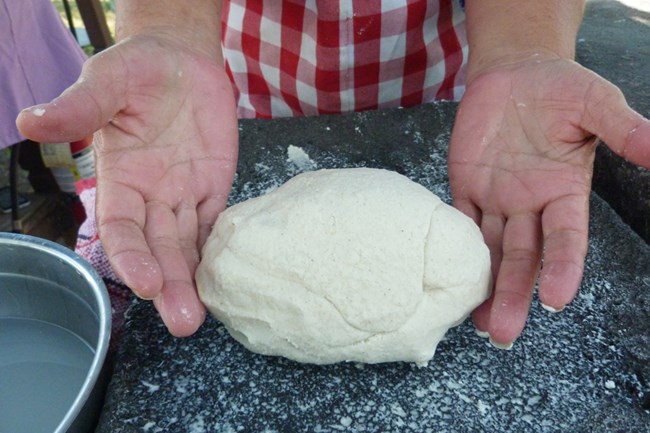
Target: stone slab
(585, 369)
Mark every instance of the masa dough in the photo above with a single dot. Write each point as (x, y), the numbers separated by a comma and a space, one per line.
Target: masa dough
(344, 265)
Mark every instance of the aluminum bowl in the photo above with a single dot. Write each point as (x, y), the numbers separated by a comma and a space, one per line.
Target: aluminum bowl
(55, 321)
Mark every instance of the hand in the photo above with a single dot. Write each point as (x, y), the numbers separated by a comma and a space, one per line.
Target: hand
(165, 159)
(520, 164)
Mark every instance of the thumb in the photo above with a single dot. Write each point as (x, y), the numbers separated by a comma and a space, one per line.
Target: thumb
(82, 109)
(608, 116)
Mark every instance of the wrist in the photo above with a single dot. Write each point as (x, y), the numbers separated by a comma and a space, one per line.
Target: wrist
(481, 63)
(509, 32)
(197, 28)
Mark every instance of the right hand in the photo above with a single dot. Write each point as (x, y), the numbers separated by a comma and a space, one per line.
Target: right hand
(520, 164)
(166, 156)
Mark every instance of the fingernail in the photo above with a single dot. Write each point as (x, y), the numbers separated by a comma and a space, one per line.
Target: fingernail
(482, 334)
(144, 297)
(501, 346)
(551, 309)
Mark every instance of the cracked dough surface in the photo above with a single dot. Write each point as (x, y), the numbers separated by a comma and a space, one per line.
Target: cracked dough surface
(338, 265)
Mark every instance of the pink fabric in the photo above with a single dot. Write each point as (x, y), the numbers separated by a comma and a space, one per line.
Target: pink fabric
(291, 58)
(39, 59)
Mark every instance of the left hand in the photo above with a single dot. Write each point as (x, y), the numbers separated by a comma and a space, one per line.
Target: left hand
(166, 155)
(520, 165)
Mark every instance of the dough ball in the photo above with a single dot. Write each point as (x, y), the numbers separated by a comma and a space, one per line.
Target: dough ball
(344, 265)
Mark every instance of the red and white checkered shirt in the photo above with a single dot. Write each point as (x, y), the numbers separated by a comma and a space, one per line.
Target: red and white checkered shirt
(309, 57)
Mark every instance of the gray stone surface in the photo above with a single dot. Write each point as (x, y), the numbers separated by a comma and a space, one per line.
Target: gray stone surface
(614, 41)
(582, 370)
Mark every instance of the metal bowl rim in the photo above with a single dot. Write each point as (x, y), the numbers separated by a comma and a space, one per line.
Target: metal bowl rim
(104, 314)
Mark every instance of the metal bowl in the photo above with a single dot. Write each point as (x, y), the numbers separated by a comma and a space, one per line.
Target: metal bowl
(55, 322)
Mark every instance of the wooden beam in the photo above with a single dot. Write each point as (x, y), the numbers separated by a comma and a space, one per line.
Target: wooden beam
(95, 22)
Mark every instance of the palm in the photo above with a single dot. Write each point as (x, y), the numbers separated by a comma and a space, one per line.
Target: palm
(520, 165)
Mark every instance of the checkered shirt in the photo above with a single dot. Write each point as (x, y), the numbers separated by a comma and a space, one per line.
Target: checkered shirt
(309, 57)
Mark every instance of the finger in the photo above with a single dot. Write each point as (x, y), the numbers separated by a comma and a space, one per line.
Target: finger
(468, 208)
(609, 117)
(216, 192)
(208, 211)
(516, 277)
(82, 109)
(492, 227)
(565, 227)
(120, 219)
(187, 226)
(481, 318)
(177, 302)
(182, 314)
